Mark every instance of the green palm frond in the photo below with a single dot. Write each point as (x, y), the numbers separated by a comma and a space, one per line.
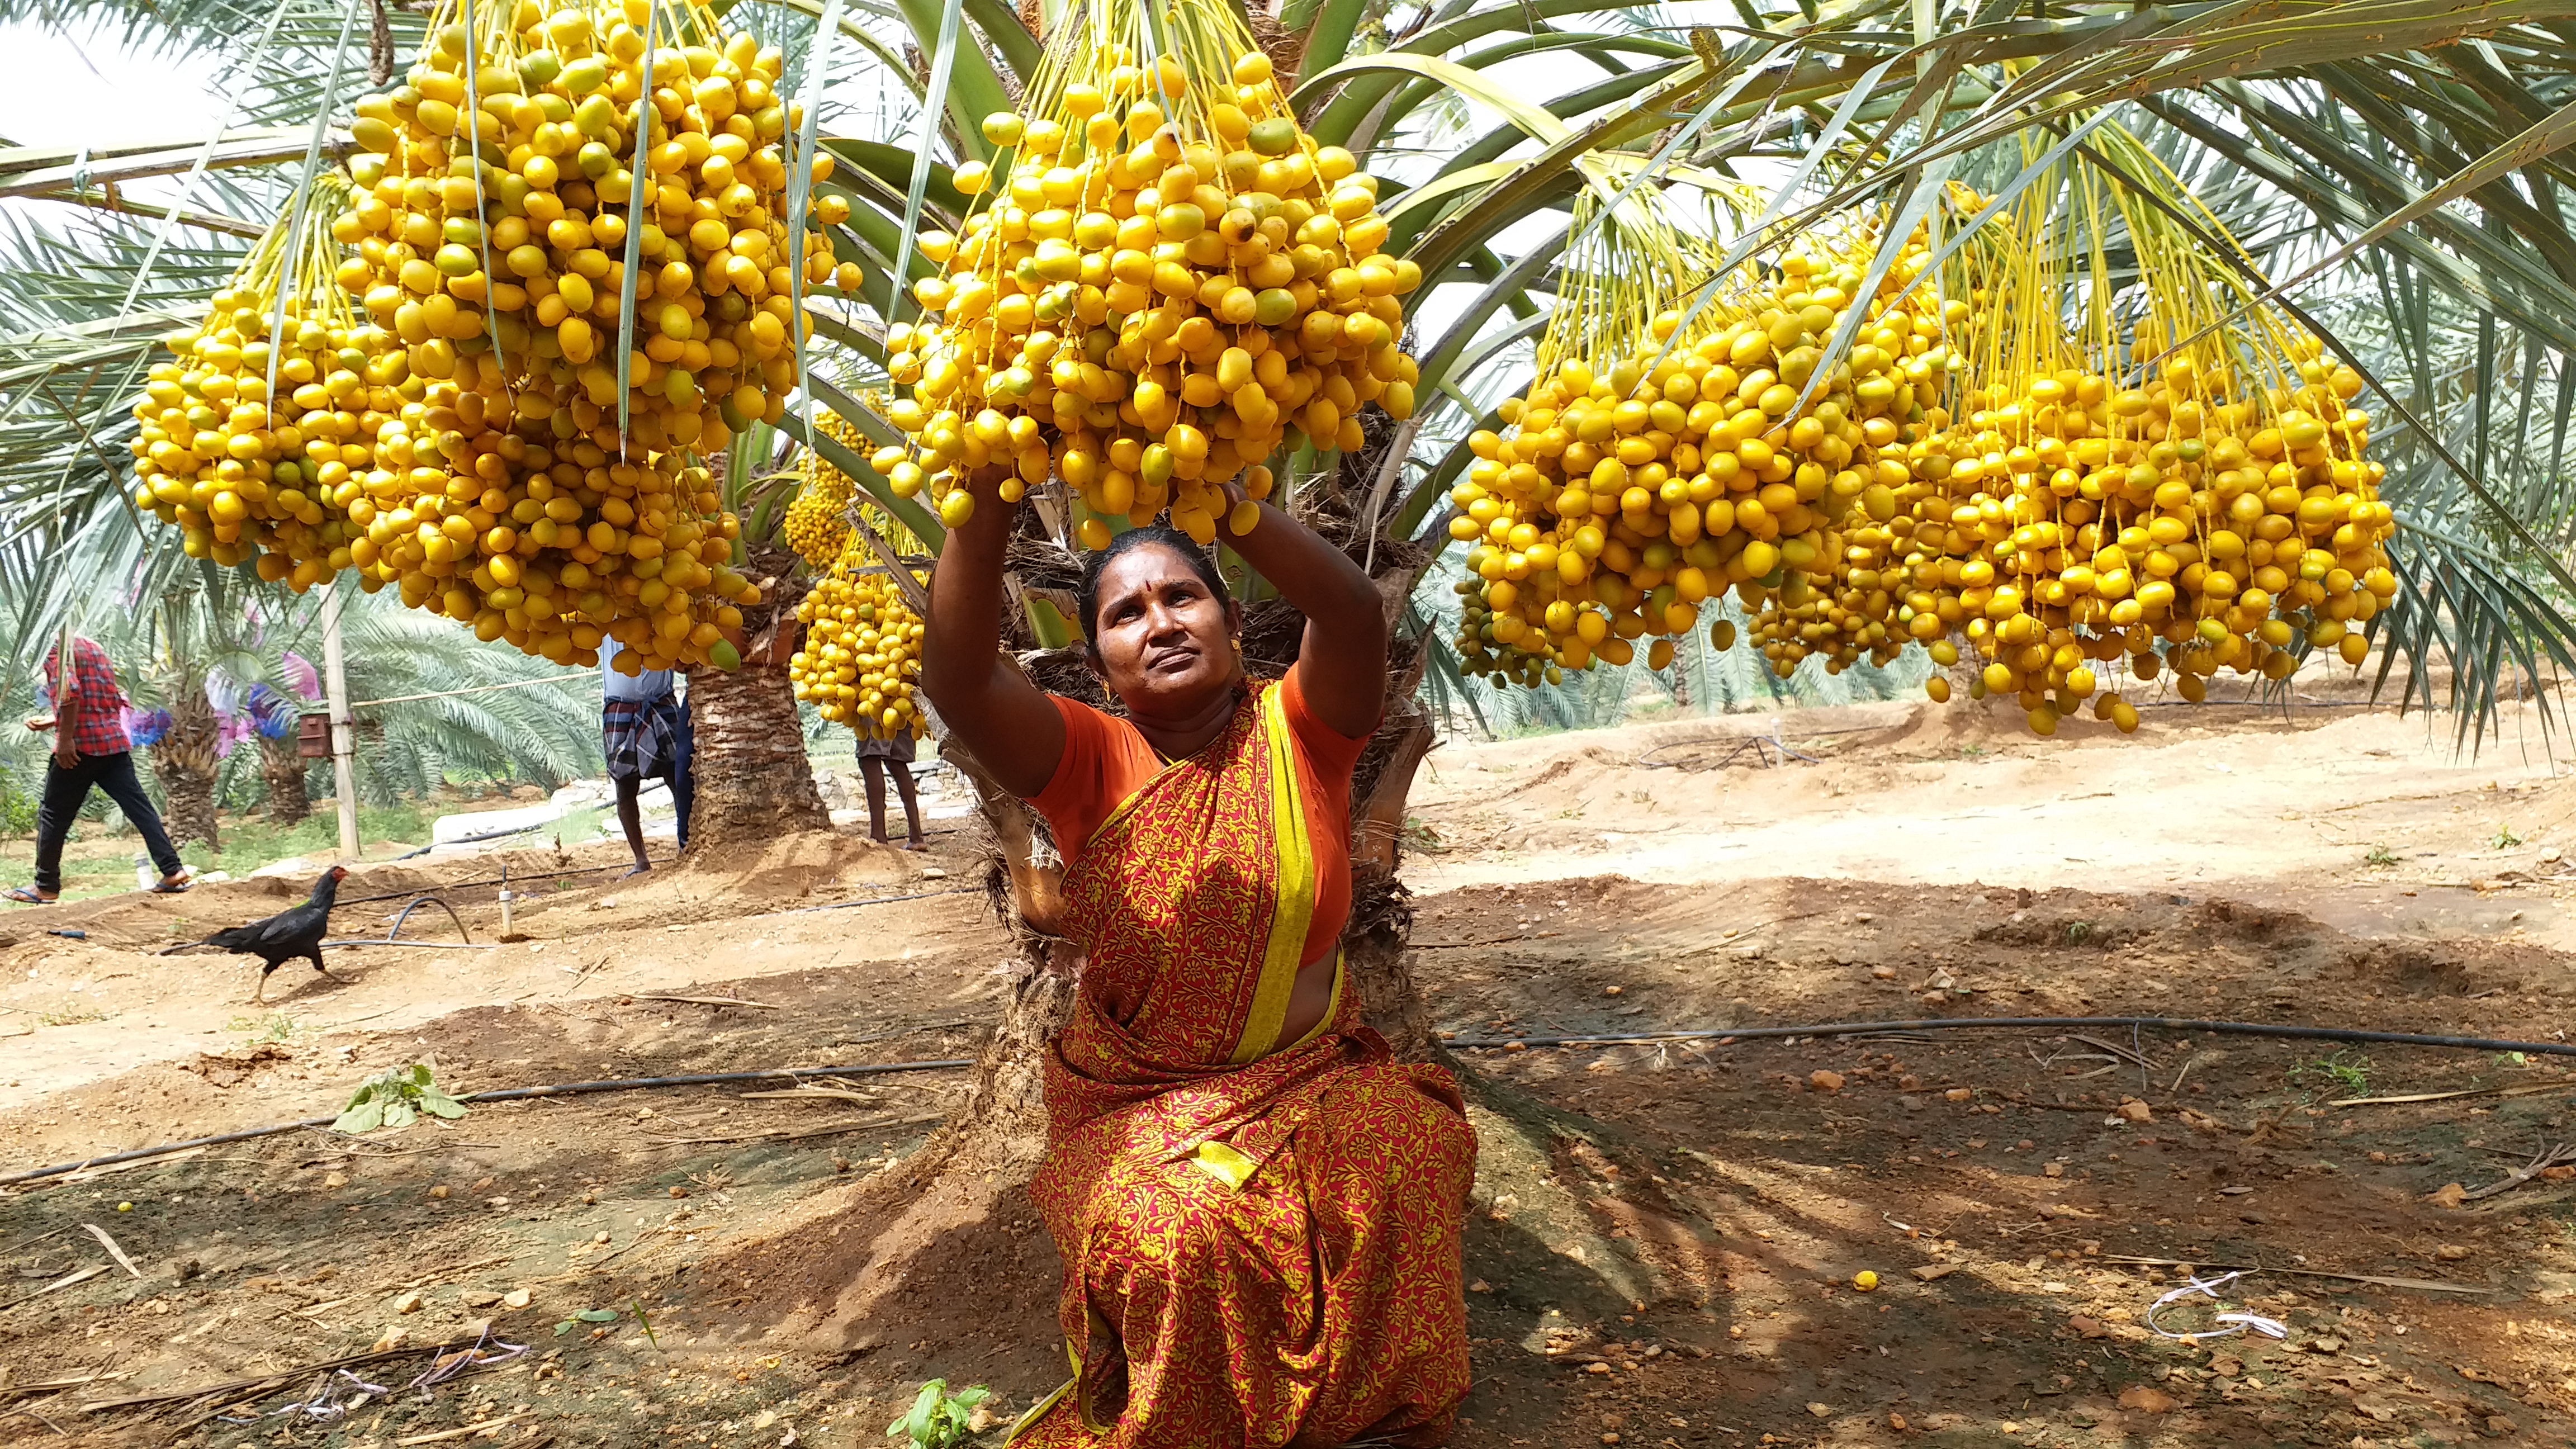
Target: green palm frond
(547, 733)
(2299, 125)
(155, 27)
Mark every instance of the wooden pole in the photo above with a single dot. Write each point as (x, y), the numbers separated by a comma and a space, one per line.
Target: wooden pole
(335, 685)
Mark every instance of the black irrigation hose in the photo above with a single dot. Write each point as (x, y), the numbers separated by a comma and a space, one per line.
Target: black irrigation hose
(427, 945)
(871, 901)
(515, 1094)
(509, 1094)
(478, 839)
(531, 875)
(766, 913)
(1747, 1033)
(494, 880)
(1958, 1023)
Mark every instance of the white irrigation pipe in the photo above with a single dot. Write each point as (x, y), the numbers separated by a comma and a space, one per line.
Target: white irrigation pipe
(481, 689)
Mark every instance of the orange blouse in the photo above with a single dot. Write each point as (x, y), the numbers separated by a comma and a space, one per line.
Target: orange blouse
(1106, 759)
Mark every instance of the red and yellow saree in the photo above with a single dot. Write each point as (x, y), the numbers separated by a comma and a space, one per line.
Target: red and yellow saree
(1260, 1238)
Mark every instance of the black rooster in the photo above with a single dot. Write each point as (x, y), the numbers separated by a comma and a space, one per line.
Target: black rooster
(286, 935)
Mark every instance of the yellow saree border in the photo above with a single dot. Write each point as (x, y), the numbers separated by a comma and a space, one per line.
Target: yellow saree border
(1296, 887)
(1030, 1419)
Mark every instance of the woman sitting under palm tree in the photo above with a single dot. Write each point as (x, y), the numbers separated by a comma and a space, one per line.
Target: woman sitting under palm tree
(1258, 1210)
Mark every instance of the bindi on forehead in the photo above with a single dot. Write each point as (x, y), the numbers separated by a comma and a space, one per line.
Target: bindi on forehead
(1145, 571)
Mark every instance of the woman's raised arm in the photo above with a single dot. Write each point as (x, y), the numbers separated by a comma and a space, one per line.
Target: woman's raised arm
(1341, 662)
(1007, 723)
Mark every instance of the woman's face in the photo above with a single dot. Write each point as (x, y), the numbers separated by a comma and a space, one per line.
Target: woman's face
(1164, 641)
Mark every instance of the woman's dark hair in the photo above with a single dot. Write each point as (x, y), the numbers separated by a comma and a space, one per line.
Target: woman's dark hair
(1152, 535)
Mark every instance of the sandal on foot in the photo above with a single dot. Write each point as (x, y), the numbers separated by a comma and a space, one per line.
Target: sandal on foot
(175, 885)
(27, 897)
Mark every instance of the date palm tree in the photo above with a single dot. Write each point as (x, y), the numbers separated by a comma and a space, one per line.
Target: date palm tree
(282, 771)
(2395, 168)
(754, 782)
(184, 758)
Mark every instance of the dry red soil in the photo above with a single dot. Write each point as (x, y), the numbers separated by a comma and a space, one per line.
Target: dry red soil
(1664, 1239)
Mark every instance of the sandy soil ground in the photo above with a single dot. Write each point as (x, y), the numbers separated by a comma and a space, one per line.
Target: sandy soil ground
(1665, 1236)
(2368, 821)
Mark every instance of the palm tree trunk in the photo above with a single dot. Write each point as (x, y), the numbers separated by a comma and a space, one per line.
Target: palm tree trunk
(283, 769)
(1002, 1120)
(185, 762)
(190, 798)
(754, 782)
(1376, 945)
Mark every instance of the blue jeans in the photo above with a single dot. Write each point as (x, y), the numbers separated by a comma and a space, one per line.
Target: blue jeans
(65, 790)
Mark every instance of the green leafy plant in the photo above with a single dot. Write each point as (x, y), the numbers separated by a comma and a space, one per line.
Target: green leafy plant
(396, 1099)
(17, 810)
(254, 1030)
(2380, 855)
(2505, 839)
(2339, 1071)
(587, 1315)
(940, 1419)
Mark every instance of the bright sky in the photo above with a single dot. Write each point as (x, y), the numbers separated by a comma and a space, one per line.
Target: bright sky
(64, 91)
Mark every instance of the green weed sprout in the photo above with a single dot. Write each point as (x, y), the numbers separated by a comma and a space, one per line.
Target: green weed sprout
(396, 1099)
(940, 1419)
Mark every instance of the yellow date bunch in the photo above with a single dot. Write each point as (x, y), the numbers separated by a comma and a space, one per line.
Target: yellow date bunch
(1162, 280)
(818, 523)
(451, 404)
(860, 663)
(1652, 467)
(243, 473)
(2207, 507)
(2178, 491)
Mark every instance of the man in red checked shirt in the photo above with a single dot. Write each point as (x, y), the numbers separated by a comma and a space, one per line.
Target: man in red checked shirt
(90, 748)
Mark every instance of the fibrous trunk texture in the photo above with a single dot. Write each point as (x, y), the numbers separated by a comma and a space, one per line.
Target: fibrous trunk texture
(1001, 1126)
(283, 770)
(754, 782)
(1375, 946)
(184, 759)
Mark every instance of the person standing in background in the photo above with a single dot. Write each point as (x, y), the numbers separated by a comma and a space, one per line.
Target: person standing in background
(876, 759)
(90, 748)
(646, 735)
